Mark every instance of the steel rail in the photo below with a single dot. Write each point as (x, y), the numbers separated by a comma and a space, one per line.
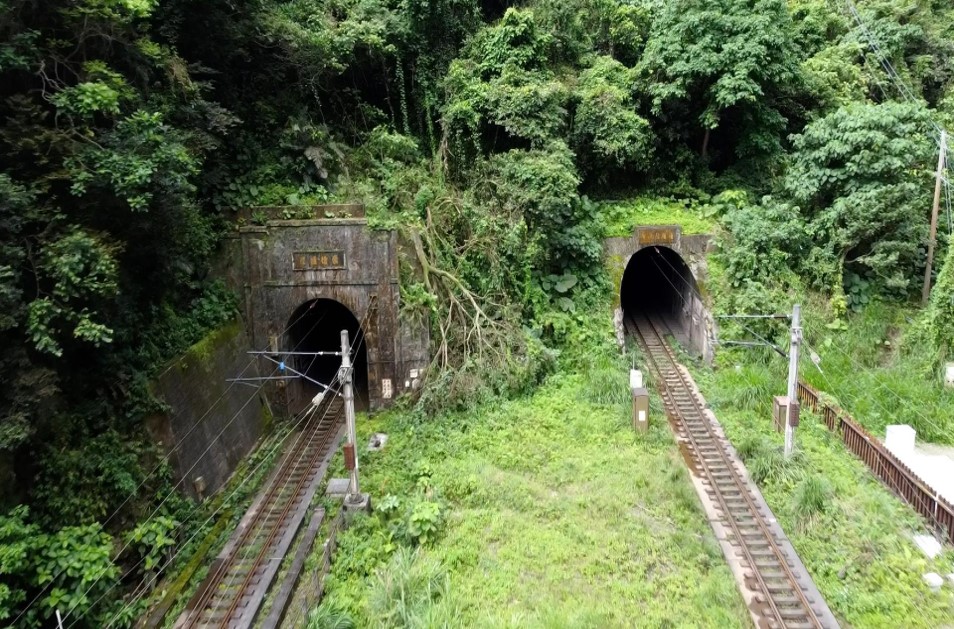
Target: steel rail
(296, 465)
(658, 350)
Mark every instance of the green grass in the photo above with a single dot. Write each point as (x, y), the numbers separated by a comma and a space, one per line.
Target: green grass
(622, 217)
(868, 371)
(555, 514)
(849, 530)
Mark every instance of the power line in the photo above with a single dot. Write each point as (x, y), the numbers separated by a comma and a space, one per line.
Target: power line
(355, 346)
(341, 383)
(881, 385)
(302, 417)
(212, 442)
(165, 459)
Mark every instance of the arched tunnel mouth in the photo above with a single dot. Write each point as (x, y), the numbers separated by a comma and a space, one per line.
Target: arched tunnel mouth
(316, 327)
(659, 285)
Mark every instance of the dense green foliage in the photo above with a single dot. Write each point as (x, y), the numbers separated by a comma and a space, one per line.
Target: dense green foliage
(486, 132)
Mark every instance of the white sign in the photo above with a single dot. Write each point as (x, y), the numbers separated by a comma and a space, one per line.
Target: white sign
(635, 379)
(386, 389)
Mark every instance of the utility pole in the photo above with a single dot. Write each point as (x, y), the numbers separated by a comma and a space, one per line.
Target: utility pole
(792, 379)
(351, 449)
(941, 159)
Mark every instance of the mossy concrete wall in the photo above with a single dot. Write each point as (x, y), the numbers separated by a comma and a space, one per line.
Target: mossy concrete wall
(210, 424)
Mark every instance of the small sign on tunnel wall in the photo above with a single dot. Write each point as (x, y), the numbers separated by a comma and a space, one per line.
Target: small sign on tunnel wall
(318, 260)
(647, 236)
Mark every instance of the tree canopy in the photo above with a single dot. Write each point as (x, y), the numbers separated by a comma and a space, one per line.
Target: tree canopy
(486, 132)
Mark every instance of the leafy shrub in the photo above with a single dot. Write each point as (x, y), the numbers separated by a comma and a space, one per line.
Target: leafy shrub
(68, 570)
(424, 522)
(153, 541)
(83, 484)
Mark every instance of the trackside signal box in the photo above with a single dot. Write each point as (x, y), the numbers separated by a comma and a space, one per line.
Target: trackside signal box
(640, 409)
(781, 407)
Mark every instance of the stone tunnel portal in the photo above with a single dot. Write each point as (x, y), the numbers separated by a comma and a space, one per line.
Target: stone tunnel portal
(316, 326)
(658, 283)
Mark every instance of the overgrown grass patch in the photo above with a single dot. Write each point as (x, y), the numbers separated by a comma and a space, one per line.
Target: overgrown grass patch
(849, 530)
(622, 217)
(556, 514)
(865, 366)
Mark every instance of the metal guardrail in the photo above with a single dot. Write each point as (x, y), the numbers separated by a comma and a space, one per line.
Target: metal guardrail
(897, 476)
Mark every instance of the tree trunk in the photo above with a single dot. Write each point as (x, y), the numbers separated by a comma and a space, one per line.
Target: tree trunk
(705, 144)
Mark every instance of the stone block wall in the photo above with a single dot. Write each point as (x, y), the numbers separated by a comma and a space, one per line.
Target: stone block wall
(288, 263)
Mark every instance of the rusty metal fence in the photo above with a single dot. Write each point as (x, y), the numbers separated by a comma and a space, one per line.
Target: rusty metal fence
(311, 586)
(896, 475)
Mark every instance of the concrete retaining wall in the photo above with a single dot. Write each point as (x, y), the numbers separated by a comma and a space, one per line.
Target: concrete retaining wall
(205, 446)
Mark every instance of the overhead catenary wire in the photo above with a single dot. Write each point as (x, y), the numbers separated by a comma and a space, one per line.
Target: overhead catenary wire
(356, 345)
(854, 399)
(169, 453)
(879, 386)
(351, 350)
(307, 412)
(212, 442)
(300, 419)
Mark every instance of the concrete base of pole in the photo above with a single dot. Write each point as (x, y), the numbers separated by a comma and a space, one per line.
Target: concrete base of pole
(355, 504)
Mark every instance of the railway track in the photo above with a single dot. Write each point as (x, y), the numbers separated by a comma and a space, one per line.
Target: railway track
(237, 583)
(784, 595)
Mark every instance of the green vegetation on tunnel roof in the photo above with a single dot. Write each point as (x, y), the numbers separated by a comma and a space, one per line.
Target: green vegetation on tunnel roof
(621, 217)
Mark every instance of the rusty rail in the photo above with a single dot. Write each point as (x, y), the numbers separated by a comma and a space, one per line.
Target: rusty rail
(311, 588)
(897, 476)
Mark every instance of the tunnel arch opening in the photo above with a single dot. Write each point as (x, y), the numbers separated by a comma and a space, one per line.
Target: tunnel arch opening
(316, 326)
(657, 283)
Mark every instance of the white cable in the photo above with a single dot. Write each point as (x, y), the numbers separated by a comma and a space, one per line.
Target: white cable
(351, 349)
(197, 461)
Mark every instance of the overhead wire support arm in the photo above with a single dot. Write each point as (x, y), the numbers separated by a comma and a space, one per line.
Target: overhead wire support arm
(268, 353)
(283, 367)
(250, 382)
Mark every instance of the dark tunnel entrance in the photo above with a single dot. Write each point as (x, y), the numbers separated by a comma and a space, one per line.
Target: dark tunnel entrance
(316, 327)
(659, 284)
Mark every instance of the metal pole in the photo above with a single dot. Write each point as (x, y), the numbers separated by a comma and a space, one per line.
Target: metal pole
(792, 378)
(926, 291)
(346, 377)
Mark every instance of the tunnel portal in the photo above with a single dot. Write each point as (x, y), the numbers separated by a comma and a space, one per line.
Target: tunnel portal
(316, 327)
(659, 284)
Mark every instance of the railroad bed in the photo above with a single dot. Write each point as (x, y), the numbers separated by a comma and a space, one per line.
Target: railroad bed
(240, 577)
(775, 584)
